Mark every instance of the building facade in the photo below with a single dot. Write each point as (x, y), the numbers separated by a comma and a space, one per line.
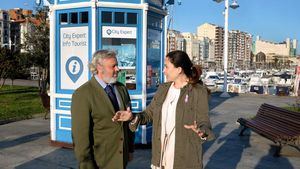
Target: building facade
(239, 50)
(21, 23)
(206, 53)
(175, 41)
(4, 29)
(275, 54)
(192, 46)
(216, 34)
(285, 48)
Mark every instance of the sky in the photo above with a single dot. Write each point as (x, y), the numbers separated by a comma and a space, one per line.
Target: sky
(272, 20)
(9, 4)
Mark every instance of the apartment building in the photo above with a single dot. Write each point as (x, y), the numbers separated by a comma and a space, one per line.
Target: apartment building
(4, 29)
(175, 41)
(216, 34)
(207, 52)
(239, 49)
(192, 46)
(20, 24)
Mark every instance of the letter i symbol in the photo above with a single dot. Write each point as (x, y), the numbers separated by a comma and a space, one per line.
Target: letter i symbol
(74, 67)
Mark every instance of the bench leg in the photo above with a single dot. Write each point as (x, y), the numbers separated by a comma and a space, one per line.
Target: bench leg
(242, 131)
(277, 151)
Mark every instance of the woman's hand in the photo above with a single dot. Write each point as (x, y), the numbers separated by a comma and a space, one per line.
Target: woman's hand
(123, 115)
(195, 128)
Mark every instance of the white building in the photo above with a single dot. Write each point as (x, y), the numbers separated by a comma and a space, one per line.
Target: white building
(175, 41)
(206, 53)
(192, 46)
(239, 49)
(4, 29)
(285, 48)
(216, 34)
(275, 54)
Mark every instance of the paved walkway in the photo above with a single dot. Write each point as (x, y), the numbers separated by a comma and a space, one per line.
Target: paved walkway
(25, 144)
(21, 82)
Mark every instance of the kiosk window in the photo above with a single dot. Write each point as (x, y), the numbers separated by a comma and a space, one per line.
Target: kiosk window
(106, 17)
(131, 18)
(126, 54)
(119, 17)
(154, 22)
(153, 60)
(63, 18)
(84, 17)
(74, 18)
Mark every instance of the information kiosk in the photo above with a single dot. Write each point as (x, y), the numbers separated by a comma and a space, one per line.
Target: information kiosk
(135, 29)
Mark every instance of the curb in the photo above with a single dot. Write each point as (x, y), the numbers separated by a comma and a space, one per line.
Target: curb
(6, 121)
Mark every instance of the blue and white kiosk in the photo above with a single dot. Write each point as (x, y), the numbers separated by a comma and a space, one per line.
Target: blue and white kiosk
(135, 29)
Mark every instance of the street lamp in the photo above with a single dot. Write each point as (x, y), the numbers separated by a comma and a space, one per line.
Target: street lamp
(234, 5)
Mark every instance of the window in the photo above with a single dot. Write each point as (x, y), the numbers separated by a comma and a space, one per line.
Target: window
(124, 45)
(5, 16)
(74, 18)
(63, 18)
(119, 17)
(126, 54)
(153, 61)
(84, 17)
(106, 17)
(154, 22)
(131, 18)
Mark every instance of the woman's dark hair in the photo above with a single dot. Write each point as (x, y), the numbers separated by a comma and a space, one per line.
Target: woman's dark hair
(180, 59)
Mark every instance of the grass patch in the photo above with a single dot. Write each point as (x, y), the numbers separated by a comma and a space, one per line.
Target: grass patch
(19, 102)
(296, 109)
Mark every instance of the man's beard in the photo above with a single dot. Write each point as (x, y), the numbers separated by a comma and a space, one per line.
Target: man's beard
(110, 80)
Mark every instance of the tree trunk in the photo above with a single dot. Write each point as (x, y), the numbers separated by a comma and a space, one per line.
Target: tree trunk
(43, 81)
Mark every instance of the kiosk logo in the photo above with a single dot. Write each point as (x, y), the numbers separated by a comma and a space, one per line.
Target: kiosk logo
(118, 32)
(108, 31)
(74, 68)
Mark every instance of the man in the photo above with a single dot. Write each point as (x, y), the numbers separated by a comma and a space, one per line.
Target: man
(98, 141)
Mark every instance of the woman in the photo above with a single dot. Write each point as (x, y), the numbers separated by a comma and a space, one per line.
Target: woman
(179, 113)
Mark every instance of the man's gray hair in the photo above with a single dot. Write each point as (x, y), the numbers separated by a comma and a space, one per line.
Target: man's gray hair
(98, 57)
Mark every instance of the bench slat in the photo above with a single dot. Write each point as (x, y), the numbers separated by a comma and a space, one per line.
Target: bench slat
(285, 116)
(280, 131)
(280, 125)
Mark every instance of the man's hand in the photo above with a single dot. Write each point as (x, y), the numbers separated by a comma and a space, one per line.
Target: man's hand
(123, 115)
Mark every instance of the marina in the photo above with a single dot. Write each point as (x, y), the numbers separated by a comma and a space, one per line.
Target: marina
(269, 82)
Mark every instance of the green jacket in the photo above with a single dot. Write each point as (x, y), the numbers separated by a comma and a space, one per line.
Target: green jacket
(99, 142)
(192, 106)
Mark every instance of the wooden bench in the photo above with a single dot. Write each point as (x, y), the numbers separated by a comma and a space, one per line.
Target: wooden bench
(277, 124)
